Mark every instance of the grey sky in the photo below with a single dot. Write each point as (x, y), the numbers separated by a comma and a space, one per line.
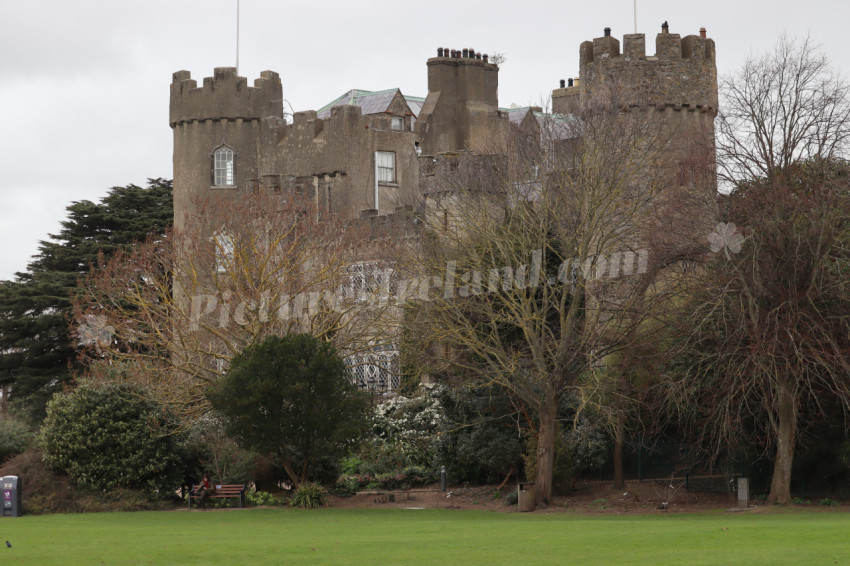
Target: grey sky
(84, 83)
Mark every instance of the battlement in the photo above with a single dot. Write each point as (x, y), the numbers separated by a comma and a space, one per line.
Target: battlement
(224, 96)
(682, 74)
(668, 47)
(395, 225)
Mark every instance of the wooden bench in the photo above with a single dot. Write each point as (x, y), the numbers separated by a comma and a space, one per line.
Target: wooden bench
(233, 491)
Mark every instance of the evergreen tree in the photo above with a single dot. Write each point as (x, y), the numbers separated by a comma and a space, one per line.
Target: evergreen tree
(36, 352)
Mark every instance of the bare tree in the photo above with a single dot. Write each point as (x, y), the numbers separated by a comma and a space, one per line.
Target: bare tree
(174, 313)
(779, 108)
(769, 326)
(768, 332)
(536, 266)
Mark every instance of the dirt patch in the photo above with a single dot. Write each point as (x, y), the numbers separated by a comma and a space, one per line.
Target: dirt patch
(635, 498)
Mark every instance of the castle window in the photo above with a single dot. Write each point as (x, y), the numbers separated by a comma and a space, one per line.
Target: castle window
(223, 251)
(223, 166)
(369, 279)
(385, 165)
(398, 123)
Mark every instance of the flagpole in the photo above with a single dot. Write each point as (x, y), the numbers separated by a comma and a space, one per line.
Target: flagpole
(635, 16)
(237, 37)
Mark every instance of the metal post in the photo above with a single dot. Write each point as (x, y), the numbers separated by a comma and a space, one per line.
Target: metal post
(640, 458)
(443, 478)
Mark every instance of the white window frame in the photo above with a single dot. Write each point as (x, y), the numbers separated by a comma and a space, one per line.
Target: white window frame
(397, 123)
(224, 165)
(385, 166)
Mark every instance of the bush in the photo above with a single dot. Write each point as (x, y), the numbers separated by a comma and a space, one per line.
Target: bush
(14, 437)
(309, 495)
(258, 498)
(405, 432)
(47, 492)
(110, 437)
(345, 486)
(481, 442)
(292, 396)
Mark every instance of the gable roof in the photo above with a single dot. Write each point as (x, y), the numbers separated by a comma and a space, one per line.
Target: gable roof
(371, 102)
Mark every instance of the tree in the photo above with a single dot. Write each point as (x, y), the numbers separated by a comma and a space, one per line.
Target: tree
(37, 356)
(175, 312)
(536, 266)
(768, 331)
(767, 335)
(291, 397)
(110, 437)
(780, 108)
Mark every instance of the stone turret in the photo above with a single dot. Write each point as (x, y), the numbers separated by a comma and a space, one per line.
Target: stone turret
(224, 113)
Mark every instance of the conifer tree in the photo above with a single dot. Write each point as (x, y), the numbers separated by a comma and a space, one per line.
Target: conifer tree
(36, 352)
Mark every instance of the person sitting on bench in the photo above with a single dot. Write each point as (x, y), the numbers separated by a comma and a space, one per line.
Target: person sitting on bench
(205, 490)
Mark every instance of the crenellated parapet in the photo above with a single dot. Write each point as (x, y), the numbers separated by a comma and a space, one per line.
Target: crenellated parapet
(682, 74)
(224, 96)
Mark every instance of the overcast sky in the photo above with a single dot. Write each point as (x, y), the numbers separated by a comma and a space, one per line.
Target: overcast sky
(84, 84)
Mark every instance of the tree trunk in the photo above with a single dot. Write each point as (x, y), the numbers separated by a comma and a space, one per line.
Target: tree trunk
(546, 453)
(619, 481)
(287, 466)
(786, 433)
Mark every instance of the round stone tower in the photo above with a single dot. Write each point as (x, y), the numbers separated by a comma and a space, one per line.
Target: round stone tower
(678, 88)
(218, 134)
(679, 82)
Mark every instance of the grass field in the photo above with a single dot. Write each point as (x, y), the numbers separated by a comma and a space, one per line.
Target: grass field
(342, 536)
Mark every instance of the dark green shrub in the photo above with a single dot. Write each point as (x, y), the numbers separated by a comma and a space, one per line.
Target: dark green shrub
(112, 436)
(345, 486)
(481, 442)
(292, 397)
(309, 495)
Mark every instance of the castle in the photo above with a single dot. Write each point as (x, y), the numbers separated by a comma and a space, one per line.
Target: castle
(365, 154)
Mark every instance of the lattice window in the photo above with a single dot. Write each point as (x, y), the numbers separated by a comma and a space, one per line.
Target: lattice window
(369, 278)
(375, 370)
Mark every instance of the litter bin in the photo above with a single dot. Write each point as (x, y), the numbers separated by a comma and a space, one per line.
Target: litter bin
(11, 496)
(525, 496)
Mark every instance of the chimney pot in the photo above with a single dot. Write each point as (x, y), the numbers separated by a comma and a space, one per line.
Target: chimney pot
(485, 57)
(465, 53)
(665, 27)
(563, 83)
(702, 32)
(569, 83)
(439, 52)
(607, 32)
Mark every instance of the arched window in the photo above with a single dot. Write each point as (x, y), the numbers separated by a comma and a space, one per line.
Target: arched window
(223, 166)
(223, 251)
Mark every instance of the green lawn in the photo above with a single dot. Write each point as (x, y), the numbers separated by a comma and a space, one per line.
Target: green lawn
(329, 536)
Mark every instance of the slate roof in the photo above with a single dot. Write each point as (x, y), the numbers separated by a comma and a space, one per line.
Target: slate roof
(371, 102)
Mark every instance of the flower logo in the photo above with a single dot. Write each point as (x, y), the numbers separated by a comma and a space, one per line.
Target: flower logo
(95, 332)
(725, 237)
